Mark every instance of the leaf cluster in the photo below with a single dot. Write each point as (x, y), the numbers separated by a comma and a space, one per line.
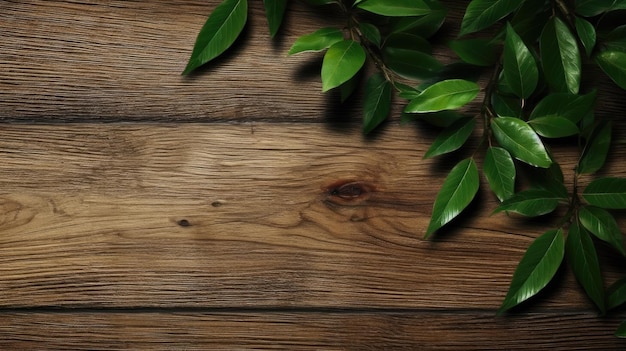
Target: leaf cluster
(537, 52)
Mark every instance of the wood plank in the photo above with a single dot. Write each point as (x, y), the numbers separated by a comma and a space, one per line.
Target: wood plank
(122, 60)
(258, 215)
(94, 60)
(339, 330)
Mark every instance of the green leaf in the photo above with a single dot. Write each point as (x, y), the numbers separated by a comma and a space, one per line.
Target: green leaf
(549, 179)
(408, 42)
(377, 102)
(409, 56)
(590, 8)
(603, 225)
(347, 89)
(499, 170)
(520, 68)
(445, 95)
(319, 40)
(395, 8)
(425, 26)
(526, 18)
(457, 191)
(571, 106)
(371, 33)
(341, 62)
(621, 330)
(320, 2)
(477, 51)
(452, 138)
(481, 14)
(536, 269)
(582, 257)
(218, 33)
(607, 193)
(616, 294)
(506, 106)
(616, 39)
(587, 34)
(596, 149)
(613, 63)
(554, 126)
(530, 203)
(274, 11)
(560, 57)
(517, 137)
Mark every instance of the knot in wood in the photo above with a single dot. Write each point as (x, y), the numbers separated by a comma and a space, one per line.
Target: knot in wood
(344, 192)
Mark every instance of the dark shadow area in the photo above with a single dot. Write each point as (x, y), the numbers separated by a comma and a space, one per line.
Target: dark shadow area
(311, 69)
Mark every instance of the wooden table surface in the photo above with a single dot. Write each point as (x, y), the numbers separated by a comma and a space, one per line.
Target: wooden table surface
(140, 209)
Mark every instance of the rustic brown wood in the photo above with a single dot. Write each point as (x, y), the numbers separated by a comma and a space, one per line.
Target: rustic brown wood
(285, 229)
(330, 330)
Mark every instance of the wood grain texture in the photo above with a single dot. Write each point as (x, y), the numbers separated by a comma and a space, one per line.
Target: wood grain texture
(248, 215)
(241, 208)
(329, 330)
(121, 61)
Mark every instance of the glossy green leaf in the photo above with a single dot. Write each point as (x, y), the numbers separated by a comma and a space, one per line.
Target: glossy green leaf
(596, 149)
(549, 179)
(571, 106)
(587, 34)
(457, 191)
(476, 51)
(411, 64)
(603, 225)
(499, 170)
(425, 26)
(560, 57)
(377, 102)
(274, 11)
(319, 40)
(481, 14)
(395, 8)
(371, 33)
(582, 257)
(590, 8)
(341, 62)
(219, 32)
(452, 138)
(530, 203)
(616, 294)
(613, 63)
(445, 95)
(519, 66)
(409, 56)
(527, 18)
(406, 91)
(615, 40)
(347, 89)
(607, 193)
(407, 42)
(554, 126)
(519, 138)
(536, 269)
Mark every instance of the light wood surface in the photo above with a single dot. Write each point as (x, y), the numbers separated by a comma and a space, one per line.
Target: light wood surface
(240, 208)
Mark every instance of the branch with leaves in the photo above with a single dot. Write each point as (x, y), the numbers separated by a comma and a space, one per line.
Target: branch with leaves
(538, 52)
